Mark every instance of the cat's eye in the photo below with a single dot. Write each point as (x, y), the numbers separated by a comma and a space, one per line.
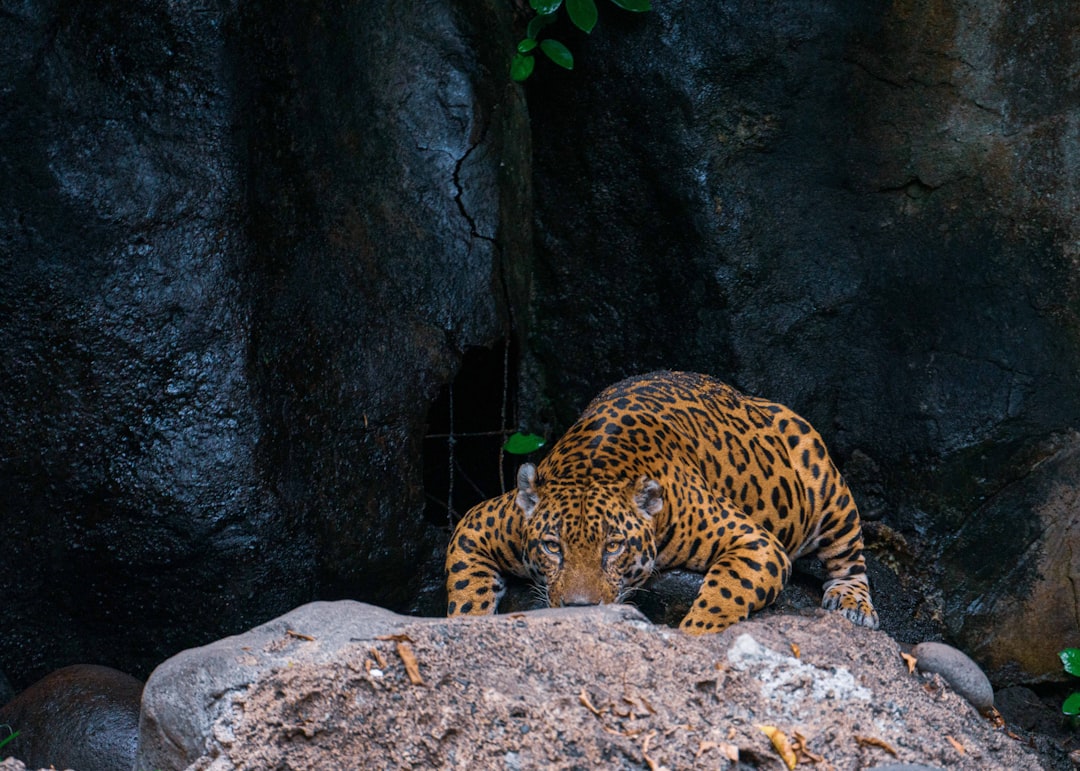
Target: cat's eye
(613, 547)
(552, 546)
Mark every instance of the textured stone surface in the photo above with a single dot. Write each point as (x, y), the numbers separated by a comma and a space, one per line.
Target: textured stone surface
(83, 717)
(867, 211)
(241, 248)
(959, 671)
(1015, 562)
(572, 688)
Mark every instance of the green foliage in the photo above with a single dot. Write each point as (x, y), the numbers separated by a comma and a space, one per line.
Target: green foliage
(583, 15)
(558, 53)
(9, 738)
(523, 444)
(1070, 659)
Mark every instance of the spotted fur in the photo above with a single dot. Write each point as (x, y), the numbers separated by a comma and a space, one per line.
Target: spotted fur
(662, 471)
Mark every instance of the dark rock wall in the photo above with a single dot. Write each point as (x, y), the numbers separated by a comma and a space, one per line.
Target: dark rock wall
(241, 249)
(385, 232)
(134, 507)
(867, 211)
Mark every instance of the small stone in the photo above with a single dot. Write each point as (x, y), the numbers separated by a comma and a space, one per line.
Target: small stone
(958, 670)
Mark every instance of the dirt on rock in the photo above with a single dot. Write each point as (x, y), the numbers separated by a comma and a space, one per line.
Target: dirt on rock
(571, 690)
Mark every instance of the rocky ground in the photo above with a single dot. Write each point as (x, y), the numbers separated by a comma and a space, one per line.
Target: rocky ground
(586, 689)
(342, 685)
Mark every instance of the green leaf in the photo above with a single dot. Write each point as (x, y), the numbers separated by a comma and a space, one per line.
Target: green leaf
(582, 13)
(521, 67)
(7, 739)
(538, 23)
(526, 45)
(523, 444)
(1070, 659)
(633, 5)
(545, 7)
(1072, 705)
(558, 53)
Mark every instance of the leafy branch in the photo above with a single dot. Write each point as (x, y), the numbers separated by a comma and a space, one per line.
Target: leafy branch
(583, 15)
(1070, 659)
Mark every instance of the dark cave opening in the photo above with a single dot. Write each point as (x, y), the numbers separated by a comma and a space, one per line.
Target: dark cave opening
(467, 425)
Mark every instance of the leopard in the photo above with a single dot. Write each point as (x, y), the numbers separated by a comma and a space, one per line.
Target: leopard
(668, 470)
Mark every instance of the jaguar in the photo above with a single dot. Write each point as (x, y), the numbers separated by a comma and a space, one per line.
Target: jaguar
(668, 470)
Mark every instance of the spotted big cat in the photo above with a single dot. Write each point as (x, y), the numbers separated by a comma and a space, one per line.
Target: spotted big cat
(668, 470)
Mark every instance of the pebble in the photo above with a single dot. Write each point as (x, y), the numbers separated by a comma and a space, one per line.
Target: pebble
(959, 671)
(905, 767)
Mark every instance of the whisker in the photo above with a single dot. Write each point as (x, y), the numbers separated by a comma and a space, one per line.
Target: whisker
(540, 594)
(625, 595)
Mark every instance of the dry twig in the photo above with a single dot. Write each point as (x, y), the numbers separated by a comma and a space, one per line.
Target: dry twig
(645, 751)
(872, 741)
(412, 666)
(584, 699)
(956, 745)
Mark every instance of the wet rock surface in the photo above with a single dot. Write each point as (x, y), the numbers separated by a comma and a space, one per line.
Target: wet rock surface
(241, 250)
(83, 717)
(1034, 525)
(861, 211)
(578, 688)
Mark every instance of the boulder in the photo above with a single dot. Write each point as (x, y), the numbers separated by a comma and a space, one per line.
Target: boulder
(82, 716)
(959, 671)
(330, 683)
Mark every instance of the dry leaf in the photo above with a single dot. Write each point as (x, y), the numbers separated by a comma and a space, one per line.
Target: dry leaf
(911, 661)
(795, 650)
(996, 719)
(300, 636)
(956, 745)
(781, 744)
(412, 667)
(803, 751)
(871, 741)
(729, 751)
